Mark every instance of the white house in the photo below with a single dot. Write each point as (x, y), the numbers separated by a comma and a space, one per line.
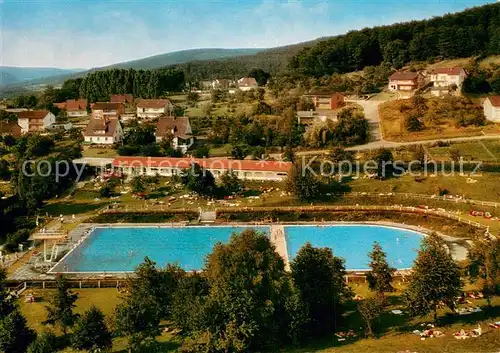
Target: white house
(153, 108)
(107, 110)
(247, 83)
(76, 108)
(103, 131)
(177, 129)
(491, 107)
(405, 81)
(35, 120)
(169, 166)
(447, 78)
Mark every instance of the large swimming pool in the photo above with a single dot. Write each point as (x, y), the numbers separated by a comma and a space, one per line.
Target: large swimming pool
(121, 249)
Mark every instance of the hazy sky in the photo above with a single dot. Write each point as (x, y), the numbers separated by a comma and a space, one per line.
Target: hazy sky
(91, 33)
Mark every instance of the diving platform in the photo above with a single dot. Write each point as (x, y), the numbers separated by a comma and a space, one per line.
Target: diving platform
(278, 238)
(50, 239)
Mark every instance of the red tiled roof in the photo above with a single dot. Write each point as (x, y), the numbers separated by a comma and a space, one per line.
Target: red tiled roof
(101, 127)
(32, 114)
(152, 103)
(455, 71)
(208, 163)
(404, 76)
(107, 106)
(122, 98)
(495, 100)
(177, 126)
(10, 128)
(79, 104)
(60, 105)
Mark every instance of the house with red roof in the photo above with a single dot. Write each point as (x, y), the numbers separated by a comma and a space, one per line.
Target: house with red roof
(405, 81)
(491, 107)
(107, 110)
(177, 130)
(11, 128)
(247, 83)
(169, 166)
(35, 120)
(447, 79)
(76, 107)
(103, 131)
(153, 108)
(122, 98)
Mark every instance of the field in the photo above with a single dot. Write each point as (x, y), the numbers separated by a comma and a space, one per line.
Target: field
(394, 330)
(393, 126)
(89, 151)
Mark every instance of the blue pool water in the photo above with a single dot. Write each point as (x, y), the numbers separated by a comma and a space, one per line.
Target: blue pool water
(122, 249)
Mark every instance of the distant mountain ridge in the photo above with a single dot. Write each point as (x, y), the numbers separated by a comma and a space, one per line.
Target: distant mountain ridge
(13, 74)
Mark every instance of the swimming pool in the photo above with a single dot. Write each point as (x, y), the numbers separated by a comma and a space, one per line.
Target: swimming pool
(121, 249)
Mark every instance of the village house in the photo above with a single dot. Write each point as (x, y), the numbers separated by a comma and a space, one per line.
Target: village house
(103, 131)
(327, 100)
(247, 83)
(221, 83)
(176, 129)
(11, 128)
(35, 120)
(169, 166)
(309, 117)
(153, 108)
(76, 108)
(405, 81)
(107, 110)
(491, 107)
(122, 98)
(447, 80)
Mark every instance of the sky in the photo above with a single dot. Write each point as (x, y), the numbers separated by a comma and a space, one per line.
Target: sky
(94, 33)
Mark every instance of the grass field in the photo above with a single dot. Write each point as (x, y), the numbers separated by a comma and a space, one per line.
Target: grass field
(89, 151)
(393, 331)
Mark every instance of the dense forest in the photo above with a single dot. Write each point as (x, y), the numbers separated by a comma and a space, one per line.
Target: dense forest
(99, 85)
(472, 32)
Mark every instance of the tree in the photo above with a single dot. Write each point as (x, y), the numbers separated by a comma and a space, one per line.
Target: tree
(61, 305)
(435, 279)
(193, 97)
(260, 76)
(380, 277)
(138, 185)
(238, 152)
(199, 180)
(320, 280)
(46, 342)
(15, 335)
(484, 266)
(385, 161)
(302, 183)
(230, 182)
(202, 151)
(338, 154)
(370, 310)
(90, 332)
(249, 303)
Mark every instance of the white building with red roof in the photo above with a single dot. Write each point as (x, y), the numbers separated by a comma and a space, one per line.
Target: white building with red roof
(169, 166)
(247, 83)
(491, 107)
(103, 131)
(177, 130)
(153, 108)
(35, 120)
(76, 107)
(447, 80)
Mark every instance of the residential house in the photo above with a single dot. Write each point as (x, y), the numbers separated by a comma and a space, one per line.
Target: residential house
(35, 120)
(405, 81)
(309, 117)
(247, 83)
(153, 108)
(331, 101)
(122, 98)
(76, 108)
(107, 110)
(103, 131)
(178, 129)
(10, 128)
(491, 107)
(221, 83)
(447, 80)
(169, 166)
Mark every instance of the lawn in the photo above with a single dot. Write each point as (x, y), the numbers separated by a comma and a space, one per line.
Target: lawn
(486, 151)
(393, 126)
(394, 331)
(89, 151)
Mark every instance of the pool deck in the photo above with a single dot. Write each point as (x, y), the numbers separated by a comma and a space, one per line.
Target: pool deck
(458, 246)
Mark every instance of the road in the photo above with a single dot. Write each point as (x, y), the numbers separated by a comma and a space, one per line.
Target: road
(371, 114)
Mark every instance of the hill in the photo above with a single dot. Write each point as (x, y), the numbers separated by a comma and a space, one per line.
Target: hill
(18, 74)
(151, 62)
(7, 78)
